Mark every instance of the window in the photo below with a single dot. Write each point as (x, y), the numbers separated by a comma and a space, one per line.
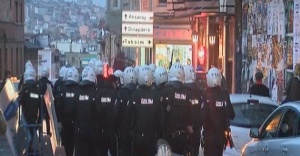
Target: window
(288, 126)
(163, 1)
(21, 6)
(115, 3)
(270, 128)
(17, 11)
(251, 115)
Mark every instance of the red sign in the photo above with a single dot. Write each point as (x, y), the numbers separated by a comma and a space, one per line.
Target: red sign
(145, 5)
(172, 34)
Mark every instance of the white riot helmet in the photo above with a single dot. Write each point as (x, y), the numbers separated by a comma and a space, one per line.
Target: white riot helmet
(176, 72)
(28, 64)
(152, 67)
(129, 76)
(160, 75)
(163, 148)
(213, 78)
(29, 74)
(98, 67)
(72, 74)
(145, 76)
(88, 74)
(190, 75)
(119, 74)
(62, 71)
(45, 71)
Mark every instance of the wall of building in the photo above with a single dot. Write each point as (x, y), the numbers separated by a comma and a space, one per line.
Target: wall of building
(270, 32)
(11, 37)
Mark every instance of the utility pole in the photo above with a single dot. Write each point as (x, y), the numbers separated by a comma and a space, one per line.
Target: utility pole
(238, 50)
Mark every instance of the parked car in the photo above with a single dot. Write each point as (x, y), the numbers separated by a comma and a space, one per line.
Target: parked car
(279, 134)
(250, 111)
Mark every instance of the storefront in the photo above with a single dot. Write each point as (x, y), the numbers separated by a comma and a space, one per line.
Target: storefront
(270, 42)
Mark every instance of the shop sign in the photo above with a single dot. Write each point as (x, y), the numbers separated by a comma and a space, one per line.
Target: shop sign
(172, 34)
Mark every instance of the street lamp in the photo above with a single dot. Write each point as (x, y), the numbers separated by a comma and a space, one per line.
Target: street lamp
(195, 37)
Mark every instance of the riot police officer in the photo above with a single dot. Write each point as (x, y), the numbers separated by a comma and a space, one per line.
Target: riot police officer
(178, 124)
(216, 112)
(65, 116)
(85, 106)
(98, 68)
(105, 119)
(27, 65)
(196, 101)
(58, 85)
(119, 75)
(123, 111)
(30, 100)
(44, 82)
(147, 115)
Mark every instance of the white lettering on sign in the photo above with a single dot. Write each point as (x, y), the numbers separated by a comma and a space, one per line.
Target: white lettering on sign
(137, 16)
(146, 101)
(219, 104)
(180, 96)
(195, 101)
(130, 41)
(137, 29)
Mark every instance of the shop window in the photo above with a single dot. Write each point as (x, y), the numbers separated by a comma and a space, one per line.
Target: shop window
(115, 4)
(163, 1)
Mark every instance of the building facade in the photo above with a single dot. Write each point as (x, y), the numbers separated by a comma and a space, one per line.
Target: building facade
(11, 37)
(270, 42)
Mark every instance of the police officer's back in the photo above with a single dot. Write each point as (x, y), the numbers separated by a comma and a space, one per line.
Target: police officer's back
(123, 110)
(119, 75)
(65, 115)
(147, 115)
(196, 101)
(98, 68)
(106, 119)
(178, 124)
(215, 113)
(84, 113)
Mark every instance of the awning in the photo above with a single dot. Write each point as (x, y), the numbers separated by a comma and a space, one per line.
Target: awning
(29, 45)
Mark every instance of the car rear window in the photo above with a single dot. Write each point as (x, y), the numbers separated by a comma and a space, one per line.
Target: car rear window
(251, 115)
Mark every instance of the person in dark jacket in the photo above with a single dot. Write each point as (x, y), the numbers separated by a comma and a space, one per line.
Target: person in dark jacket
(293, 85)
(30, 100)
(58, 85)
(146, 115)
(215, 114)
(27, 65)
(85, 106)
(178, 110)
(65, 116)
(123, 111)
(196, 101)
(106, 120)
(259, 88)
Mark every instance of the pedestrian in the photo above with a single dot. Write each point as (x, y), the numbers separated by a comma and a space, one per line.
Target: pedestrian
(147, 114)
(178, 122)
(215, 114)
(105, 134)
(65, 115)
(85, 105)
(124, 111)
(258, 88)
(196, 101)
(44, 82)
(30, 100)
(293, 86)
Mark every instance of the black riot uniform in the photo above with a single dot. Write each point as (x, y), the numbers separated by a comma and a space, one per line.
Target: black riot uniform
(177, 117)
(58, 85)
(106, 120)
(30, 100)
(85, 106)
(196, 96)
(65, 115)
(43, 85)
(146, 120)
(123, 113)
(100, 81)
(215, 114)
